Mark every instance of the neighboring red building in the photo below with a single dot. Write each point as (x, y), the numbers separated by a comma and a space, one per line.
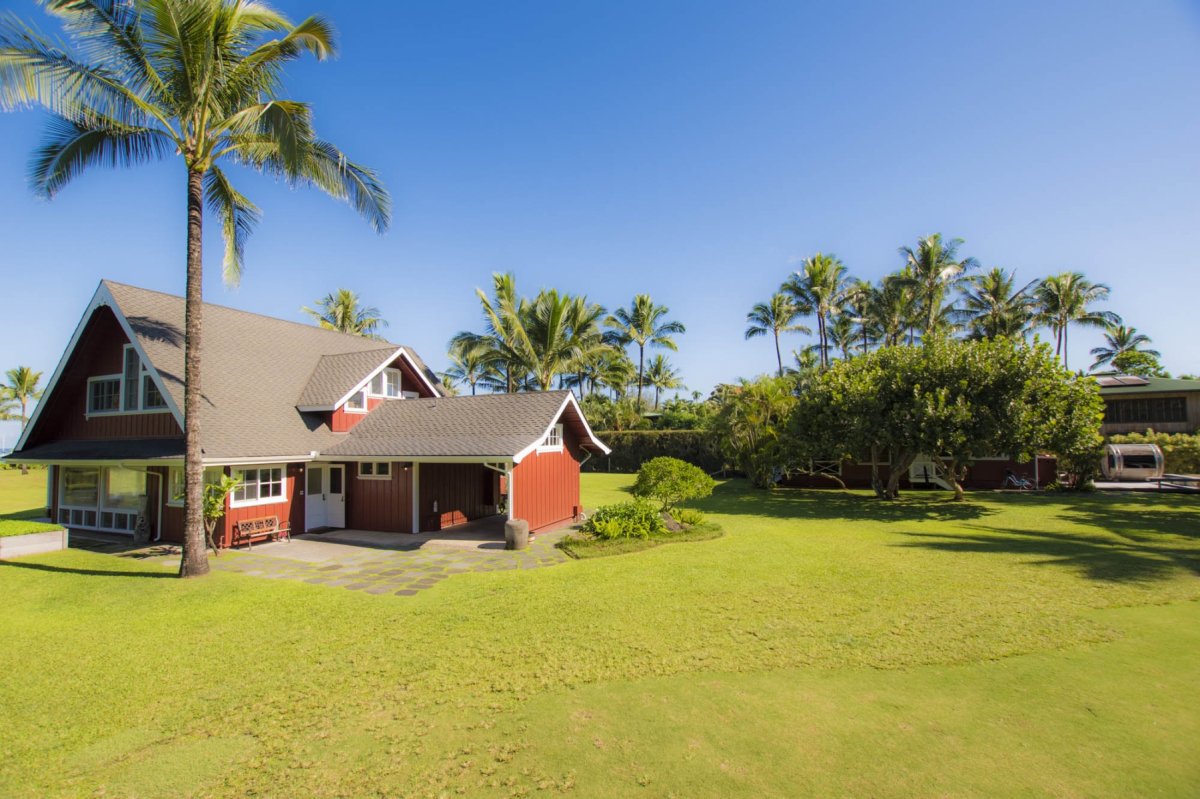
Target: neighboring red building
(323, 429)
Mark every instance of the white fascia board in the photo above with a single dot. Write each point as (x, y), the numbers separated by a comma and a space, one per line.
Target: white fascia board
(153, 371)
(362, 384)
(484, 459)
(569, 401)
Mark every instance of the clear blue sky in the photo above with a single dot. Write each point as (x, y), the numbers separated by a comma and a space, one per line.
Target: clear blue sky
(692, 150)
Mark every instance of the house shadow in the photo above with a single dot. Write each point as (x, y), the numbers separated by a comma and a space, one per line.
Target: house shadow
(1120, 558)
(45, 567)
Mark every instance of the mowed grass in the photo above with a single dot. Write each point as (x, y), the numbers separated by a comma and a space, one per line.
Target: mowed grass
(826, 645)
(22, 497)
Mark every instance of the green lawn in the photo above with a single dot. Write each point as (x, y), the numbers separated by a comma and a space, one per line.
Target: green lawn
(22, 497)
(826, 645)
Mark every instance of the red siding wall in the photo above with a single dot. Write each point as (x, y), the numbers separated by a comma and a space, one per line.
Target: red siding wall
(99, 352)
(546, 486)
(466, 488)
(290, 510)
(343, 421)
(384, 505)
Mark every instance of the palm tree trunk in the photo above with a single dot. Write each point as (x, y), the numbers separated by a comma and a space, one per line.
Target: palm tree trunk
(1066, 345)
(24, 424)
(641, 371)
(195, 557)
(778, 355)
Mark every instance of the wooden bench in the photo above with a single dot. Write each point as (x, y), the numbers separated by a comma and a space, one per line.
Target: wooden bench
(247, 531)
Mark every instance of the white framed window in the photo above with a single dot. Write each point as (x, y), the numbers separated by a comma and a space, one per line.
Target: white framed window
(553, 440)
(259, 486)
(79, 487)
(357, 402)
(107, 499)
(176, 486)
(104, 394)
(386, 384)
(374, 471)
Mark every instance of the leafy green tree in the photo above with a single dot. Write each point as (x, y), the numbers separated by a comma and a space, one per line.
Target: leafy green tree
(936, 267)
(198, 80)
(749, 424)
(661, 375)
(215, 495)
(1142, 363)
(1066, 299)
(1119, 343)
(819, 288)
(644, 324)
(777, 315)
(670, 481)
(993, 306)
(340, 310)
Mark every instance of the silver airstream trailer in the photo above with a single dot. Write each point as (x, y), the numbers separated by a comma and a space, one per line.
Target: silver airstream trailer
(1131, 462)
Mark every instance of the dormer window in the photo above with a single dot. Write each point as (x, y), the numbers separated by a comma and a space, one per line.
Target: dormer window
(357, 402)
(553, 440)
(386, 384)
(132, 391)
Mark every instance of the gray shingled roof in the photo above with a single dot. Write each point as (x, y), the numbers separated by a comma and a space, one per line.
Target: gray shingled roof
(335, 375)
(490, 425)
(254, 369)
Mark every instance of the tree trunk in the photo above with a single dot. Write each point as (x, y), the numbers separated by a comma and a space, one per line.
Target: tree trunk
(195, 558)
(900, 468)
(952, 475)
(641, 372)
(24, 424)
(778, 355)
(876, 483)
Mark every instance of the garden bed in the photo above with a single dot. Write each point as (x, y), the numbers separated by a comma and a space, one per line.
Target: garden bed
(20, 537)
(583, 547)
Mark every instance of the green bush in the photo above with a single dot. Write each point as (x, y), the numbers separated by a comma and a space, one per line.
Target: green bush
(670, 481)
(632, 448)
(1180, 450)
(635, 519)
(688, 517)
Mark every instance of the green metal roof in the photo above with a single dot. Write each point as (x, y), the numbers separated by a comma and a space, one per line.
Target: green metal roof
(1145, 385)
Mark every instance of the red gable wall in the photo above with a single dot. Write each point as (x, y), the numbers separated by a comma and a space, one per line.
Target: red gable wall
(546, 485)
(99, 352)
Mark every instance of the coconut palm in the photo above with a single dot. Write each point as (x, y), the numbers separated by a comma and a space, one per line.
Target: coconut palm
(200, 80)
(992, 306)
(21, 388)
(661, 375)
(470, 363)
(340, 311)
(857, 300)
(843, 335)
(643, 323)
(893, 309)
(503, 337)
(557, 331)
(818, 288)
(937, 268)
(1066, 299)
(777, 315)
(1119, 341)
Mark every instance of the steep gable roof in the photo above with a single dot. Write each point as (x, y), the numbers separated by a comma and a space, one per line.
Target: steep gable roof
(335, 375)
(489, 425)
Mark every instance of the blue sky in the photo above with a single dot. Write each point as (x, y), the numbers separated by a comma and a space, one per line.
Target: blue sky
(691, 150)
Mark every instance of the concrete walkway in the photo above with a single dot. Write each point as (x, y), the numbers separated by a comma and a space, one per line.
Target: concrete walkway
(376, 563)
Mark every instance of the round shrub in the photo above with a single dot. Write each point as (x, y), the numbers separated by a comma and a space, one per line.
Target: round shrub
(625, 520)
(670, 481)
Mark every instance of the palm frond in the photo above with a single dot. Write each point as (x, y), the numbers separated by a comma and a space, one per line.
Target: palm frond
(238, 217)
(70, 147)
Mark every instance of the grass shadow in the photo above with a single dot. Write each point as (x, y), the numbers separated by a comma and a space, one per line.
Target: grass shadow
(738, 498)
(46, 567)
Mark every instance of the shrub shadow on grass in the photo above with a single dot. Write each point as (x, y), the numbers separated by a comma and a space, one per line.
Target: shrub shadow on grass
(816, 503)
(1107, 559)
(46, 567)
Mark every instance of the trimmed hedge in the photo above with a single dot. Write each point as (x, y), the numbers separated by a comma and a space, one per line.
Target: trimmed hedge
(1180, 450)
(632, 448)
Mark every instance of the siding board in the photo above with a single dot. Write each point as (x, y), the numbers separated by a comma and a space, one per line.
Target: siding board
(382, 505)
(546, 485)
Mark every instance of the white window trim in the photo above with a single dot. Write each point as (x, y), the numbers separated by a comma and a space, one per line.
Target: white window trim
(555, 432)
(250, 503)
(375, 467)
(171, 501)
(384, 373)
(143, 376)
(88, 412)
(366, 408)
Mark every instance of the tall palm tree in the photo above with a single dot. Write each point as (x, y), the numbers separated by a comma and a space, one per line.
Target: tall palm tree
(857, 307)
(1121, 340)
(340, 311)
(470, 363)
(777, 315)
(843, 335)
(200, 80)
(643, 323)
(661, 375)
(503, 337)
(1066, 299)
(22, 388)
(937, 268)
(818, 288)
(893, 308)
(552, 337)
(993, 306)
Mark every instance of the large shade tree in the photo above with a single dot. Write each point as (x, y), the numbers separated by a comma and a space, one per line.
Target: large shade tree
(196, 80)
(343, 311)
(775, 316)
(644, 324)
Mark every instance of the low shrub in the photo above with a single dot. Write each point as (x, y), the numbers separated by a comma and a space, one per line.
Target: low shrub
(688, 517)
(635, 519)
(583, 547)
(670, 481)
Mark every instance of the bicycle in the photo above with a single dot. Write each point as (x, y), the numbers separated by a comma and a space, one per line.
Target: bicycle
(1019, 483)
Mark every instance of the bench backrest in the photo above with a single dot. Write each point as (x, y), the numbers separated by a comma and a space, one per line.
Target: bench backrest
(266, 524)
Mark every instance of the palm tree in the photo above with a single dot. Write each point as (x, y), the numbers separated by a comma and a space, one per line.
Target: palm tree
(340, 311)
(661, 375)
(1065, 299)
(21, 389)
(643, 324)
(553, 335)
(818, 288)
(503, 337)
(200, 80)
(936, 268)
(1121, 340)
(993, 307)
(857, 307)
(777, 315)
(469, 363)
(843, 335)
(893, 307)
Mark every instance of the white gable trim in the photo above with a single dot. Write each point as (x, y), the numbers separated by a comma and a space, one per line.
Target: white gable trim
(569, 401)
(102, 298)
(362, 385)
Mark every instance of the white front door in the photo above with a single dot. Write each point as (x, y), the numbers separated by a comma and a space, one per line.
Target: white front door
(314, 497)
(335, 497)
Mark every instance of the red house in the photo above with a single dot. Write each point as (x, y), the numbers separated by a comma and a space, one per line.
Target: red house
(322, 428)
